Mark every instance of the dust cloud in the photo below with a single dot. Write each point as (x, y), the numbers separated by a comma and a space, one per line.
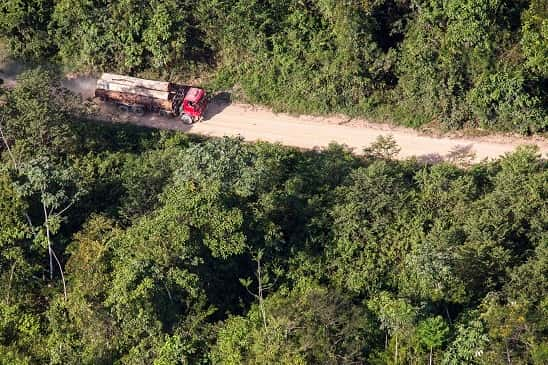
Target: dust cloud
(83, 85)
(9, 70)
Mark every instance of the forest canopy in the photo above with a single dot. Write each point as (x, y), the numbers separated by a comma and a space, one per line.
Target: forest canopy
(453, 63)
(123, 245)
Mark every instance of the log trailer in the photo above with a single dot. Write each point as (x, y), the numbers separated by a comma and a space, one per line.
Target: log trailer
(132, 94)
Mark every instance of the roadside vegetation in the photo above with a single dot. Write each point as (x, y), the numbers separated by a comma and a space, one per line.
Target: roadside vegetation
(121, 245)
(453, 63)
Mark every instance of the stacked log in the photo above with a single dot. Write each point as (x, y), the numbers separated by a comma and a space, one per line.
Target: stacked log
(134, 85)
(135, 99)
(137, 82)
(130, 89)
(152, 95)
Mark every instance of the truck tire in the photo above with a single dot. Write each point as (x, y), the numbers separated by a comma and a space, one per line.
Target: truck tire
(123, 108)
(139, 110)
(187, 119)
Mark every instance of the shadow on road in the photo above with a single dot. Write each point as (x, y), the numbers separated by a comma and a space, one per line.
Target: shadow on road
(217, 104)
(430, 158)
(461, 155)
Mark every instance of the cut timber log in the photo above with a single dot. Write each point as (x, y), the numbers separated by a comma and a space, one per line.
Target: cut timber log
(132, 89)
(148, 102)
(137, 82)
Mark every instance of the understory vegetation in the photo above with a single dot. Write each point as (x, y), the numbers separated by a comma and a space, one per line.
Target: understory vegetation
(453, 63)
(121, 245)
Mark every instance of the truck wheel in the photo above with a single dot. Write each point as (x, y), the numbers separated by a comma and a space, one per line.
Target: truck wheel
(163, 113)
(123, 108)
(187, 119)
(139, 110)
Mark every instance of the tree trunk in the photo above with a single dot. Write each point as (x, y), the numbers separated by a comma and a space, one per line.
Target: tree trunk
(5, 140)
(12, 271)
(52, 253)
(48, 238)
(62, 275)
(430, 357)
(261, 304)
(447, 313)
(396, 352)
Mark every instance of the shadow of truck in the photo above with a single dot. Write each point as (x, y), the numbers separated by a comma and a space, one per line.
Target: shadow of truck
(217, 104)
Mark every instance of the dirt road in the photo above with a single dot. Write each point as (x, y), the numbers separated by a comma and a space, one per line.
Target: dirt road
(260, 124)
(255, 123)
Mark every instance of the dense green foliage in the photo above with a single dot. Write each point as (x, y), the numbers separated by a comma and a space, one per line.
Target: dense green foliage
(454, 62)
(180, 251)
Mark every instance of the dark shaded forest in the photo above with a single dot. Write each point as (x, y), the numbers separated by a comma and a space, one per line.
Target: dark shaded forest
(448, 63)
(121, 245)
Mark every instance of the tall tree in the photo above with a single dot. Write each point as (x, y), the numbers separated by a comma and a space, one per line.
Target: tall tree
(432, 332)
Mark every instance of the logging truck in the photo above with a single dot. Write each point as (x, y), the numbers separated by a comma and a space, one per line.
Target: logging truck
(132, 94)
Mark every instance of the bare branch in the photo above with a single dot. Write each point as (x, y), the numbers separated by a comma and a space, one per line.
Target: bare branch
(251, 293)
(30, 224)
(12, 271)
(4, 139)
(64, 209)
(61, 271)
(260, 296)
(46, 221)
(168, 292)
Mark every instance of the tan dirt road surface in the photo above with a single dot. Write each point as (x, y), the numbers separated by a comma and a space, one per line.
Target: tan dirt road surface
(260, 124)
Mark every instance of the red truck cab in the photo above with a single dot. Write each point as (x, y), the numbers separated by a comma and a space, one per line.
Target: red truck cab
(194, 104)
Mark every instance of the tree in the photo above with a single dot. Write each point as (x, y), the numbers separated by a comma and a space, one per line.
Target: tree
(365, 249)
(55, 190)
(468, 346)
(128, 35)
(25, 27)
(432, 333)
(35, 119)
(396, 317)
(309, 324)
(83, 330)
(262, 286)
(513, 318)
(429, 268)
(81, 32)
(383, 147)
(502, 98)
(534, 30)
(36, 134)
(13, 230)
